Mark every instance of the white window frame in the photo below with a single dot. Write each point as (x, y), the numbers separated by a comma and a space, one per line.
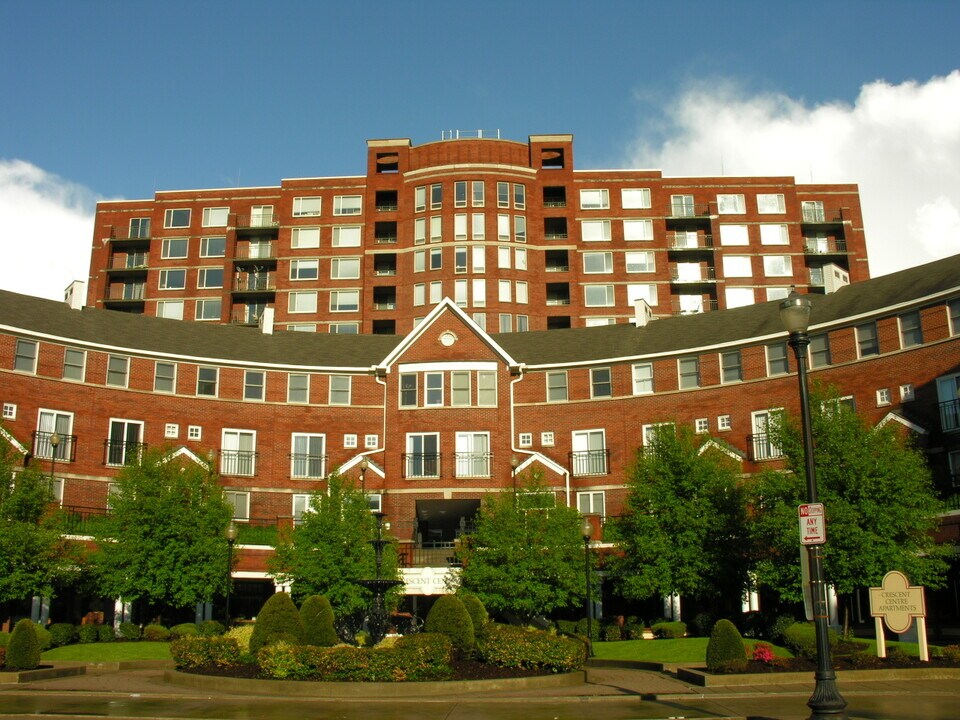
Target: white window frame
(216, 381)
(215, 217)
(595, 230)
(173, 379)
(305, 238)
(205, 251)
(594, 462)
(347, 205)
(250, 385)
(731, 204)
(23, 359)
(9, 411)
(308, 465)
(167, 245)
(642, 375)
(345, 268)
(194, 432)
(113, 368)
(302, 301)
(594, 199)
(347, 236)
(724, 423)
(204, 309)
(204, 283)
(608, 299)
(553, 389)
(635, 198)
(239, 501)
(244, 461)
(304, 269)
(307, 206)
(469, 461)
(771, 204)
(340, 390)
(168, 277)
(605, 258)
(171, 431)
(170, 214)
(416, 464)
(291, 390)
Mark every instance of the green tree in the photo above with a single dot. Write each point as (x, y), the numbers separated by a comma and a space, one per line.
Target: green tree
(163, 541)
(881, 506)
(683, 526)
(526, 554)
(34, 556)
(330, 550)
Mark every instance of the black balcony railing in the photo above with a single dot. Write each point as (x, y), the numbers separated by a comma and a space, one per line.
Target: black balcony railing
(473, 464)
(763, 448)
(689, 210)
(589, 462)
(304, 465)
(255, 251)
(256, 221)
(950, 415)
(825, 246)
(238, 462)
(65, 450)
(703, 274)
(122, 452)
(826, 216)
(690, 241)
(255, 282)
(421, 465)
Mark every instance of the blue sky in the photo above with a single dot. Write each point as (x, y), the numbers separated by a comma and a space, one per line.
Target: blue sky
(120, 99)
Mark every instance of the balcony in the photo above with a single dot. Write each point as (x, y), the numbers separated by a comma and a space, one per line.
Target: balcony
(763, 448)
(692, 276)
(43, 449)
(689, 210)
(555, 228)
(705, 305)
(689, 241)
(255, 251)
(132, 292)
(122, 452)
(950, 415)
(385, 233)
(473, 464)
(129, 263)
(254, 282)
(589, 462)
(238, 462)
(824, 246)
(123, 236)
(307, 466)
(554, 196)
(822, 216)
(249, 315)
(258, 222)
(421, 465)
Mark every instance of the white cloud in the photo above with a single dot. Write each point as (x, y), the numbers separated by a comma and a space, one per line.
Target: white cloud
(46, 226)
(899, 143)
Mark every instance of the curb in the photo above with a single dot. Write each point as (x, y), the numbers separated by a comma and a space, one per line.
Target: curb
(702, 678)
(24, 676)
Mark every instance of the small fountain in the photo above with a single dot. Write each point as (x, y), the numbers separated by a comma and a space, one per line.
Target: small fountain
(377, 621)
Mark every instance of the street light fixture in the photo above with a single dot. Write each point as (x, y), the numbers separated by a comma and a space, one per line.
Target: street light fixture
(54, 444)
(586, 530)
(231, 534)
(364, 464)
(826, 701)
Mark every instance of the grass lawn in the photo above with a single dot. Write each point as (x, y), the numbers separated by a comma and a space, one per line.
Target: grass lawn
(110, 652)
(682, 650)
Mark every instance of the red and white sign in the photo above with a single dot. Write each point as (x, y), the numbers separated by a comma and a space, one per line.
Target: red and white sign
(813, 524)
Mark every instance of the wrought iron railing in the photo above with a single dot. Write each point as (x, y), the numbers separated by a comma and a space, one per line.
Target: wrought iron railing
(63, 450)
(417, 465)
(589, 462)
(763, 447)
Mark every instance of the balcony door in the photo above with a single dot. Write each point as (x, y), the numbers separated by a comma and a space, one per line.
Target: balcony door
(123, 445)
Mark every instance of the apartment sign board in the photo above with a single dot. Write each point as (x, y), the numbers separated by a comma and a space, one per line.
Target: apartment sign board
(897, 602)
(813, 524)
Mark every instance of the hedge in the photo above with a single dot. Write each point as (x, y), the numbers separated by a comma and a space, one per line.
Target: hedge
(183, 630)
(63, 634)
(674, 629)
(88, 633)
(801, 638)
(156, 633)
(512, 646)
(129, 631)
(196, 651)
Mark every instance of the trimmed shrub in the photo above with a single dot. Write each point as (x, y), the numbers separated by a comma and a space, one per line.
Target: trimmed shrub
(950, 653)
(88, 633)
(725, 647)
(242, 634)
(156, 633)
(23, 650)
(778, 627)
(477, 612)
(449, 617)
(4, 638)
(63, 634)
(278, 615)
(106, 633)
(210, 628)
(183, 630)
(566, 627)
(612, 633)
(633, 631)
(44, 637)
(511, 646)
(669, 629)
(582, 628)
(196, 651)
(129, 631)
(317, 617)
(801, 638)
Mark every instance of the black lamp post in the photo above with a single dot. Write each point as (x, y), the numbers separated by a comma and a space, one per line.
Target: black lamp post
(826, 701)
(54, 444)
(514, 464)
(364, 464)
(586, 529)
(231, 533)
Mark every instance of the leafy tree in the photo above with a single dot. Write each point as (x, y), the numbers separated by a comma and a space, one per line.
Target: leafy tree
(34, 556)
(330, 550)
(526, 554)
(163, 541)
(683, 524)
(880, 502)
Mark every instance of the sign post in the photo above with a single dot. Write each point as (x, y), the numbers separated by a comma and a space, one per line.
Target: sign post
(896, 603)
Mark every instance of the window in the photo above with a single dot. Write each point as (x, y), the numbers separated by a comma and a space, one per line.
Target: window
(209, 309)
(479, 258)
(339, 390)
(763, 446)
(300, 506)
(883, 397)
(436, 292)
(597, 262)
(480, 293)
(737, 266)
(171, 431)
(819, 350)
(731, 205)
(640, 262)
(777, 293)
(238, 452)
(433, 389)
(117, 369)
(207, 381)
(164, 377)
(519, 196)
(303, 238)
(9, 411)
(598, 295)
(213, 247)
(408, 390)
(682, 206)
(906, 392)
(739, 297)
(601, 384)
(173, 279)
(770, 204)
(689, 372)
(594, 199)
(304, 269)
(344, 328)
(911, 331)
(731, 366)
(645, 292)
(504, 291)
(777, 266)
(210, 278)
(422, 458)
(812, 210)
(302, 327)
(179, 218)
(476, 196)
(215, 217)
(124, 443)
(777, 359)
(307, 455)
(594, 230)
(460, 226)
(867, 343)
(503, 227)
(734, 235)
(50, 422)
(477, 226)
(506, 322)
(487, 388)
(635, 198)
(460, 292)
(436, 258)
(25, 356)
(347, 204)
(953, 310)
(302, 302)
(298, 388)
(503, 195)
(420, 199)
(460, 193)
(306, 207)
(74, 362)
(436, 196)
(525, 440)
(472, 454)
(261, 216)
(591, 503)
(370, 442)
(460, 388)
(139, 227)
(346, 236)
(642, 378)
(547, 439)
(350, 440)
(419, 294)
(504, 257)
(589, 456)
(774, 235)
(254, 382)
(239, 501)
(724, 423)
(520, 293)
(556, 386)
(173, 248)
(520, 258)
(345, 268)
(194, 432)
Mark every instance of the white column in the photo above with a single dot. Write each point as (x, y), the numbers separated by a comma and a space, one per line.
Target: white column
(671, 607)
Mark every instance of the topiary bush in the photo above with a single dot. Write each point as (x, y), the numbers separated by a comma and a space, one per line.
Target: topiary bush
(476, 610)
(801, 638)
(449, 617)
(669, 629)
(183, 630)
(129, 631)
(633, 631)
(316, 614)
(23, 650)
(195, 651)
(63, 634)
(210, 628)
(242, 634)
(725, 647)
(43, 637)
(612, 633)
(156, 633)
(88, 633)
(106, 633)
(277, 616)
(594, 628)
(512, 646)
